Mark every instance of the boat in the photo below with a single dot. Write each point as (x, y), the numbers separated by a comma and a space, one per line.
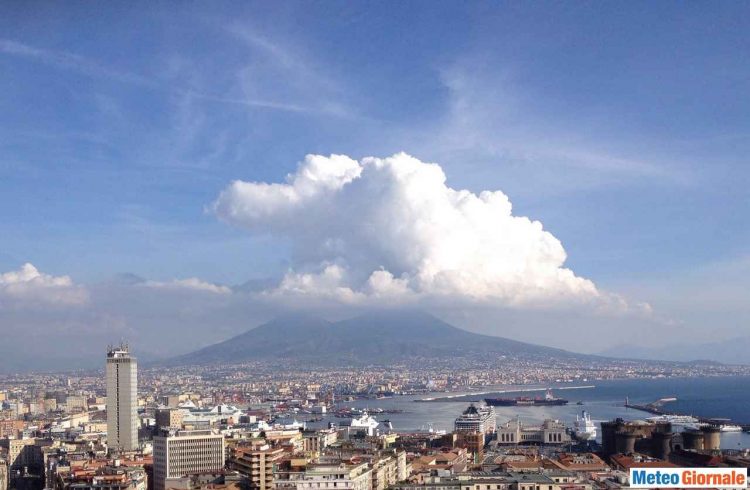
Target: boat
(725, 425)
(682, 420)
(583, 428)
(429, 429)
(366, 422)
(548, 400)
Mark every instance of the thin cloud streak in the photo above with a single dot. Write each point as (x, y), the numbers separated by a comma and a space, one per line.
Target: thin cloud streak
(90, 68)
(70, 61)
(488, 119)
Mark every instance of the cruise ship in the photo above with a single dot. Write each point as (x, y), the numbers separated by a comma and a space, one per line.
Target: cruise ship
(476, 419)
(583, 428)
(526, 401)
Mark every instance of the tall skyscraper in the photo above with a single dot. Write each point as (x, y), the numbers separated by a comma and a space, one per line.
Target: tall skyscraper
(122, 399)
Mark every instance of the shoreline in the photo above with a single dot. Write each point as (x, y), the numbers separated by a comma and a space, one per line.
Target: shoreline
(482, 393)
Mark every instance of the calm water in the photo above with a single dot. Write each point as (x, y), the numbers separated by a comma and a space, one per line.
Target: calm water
(727, 397)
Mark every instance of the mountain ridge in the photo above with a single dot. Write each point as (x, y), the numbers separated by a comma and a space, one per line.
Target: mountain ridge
(731, 351)
(372, 338)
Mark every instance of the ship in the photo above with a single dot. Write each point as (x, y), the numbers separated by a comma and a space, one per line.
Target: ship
(687, 421)
(548, 400)
(725, 425)
(366, 423)
(583, 428)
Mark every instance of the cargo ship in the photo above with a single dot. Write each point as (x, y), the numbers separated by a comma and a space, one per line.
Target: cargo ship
(526, 401)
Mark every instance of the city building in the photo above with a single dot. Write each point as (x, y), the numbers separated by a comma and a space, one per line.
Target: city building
(331, 476)
(11, 428)
(102, 477)
(494, 481)
(24, 455)
(514, 432)
(168, 417)
(122, 399)
(385, 471)
(75, 402)
(25, 464)
(317, 440)
(179, 453)
(220, 480)
(474, 442)
(3, 475)
(257, 464)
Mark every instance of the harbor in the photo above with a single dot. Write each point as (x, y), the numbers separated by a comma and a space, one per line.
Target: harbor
(657, 408)
(477, 396)
(602, 402)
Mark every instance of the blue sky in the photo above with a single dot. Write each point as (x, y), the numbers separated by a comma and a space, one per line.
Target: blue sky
(622, 127)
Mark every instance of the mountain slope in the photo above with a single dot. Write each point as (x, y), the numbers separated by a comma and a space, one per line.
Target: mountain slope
(732, 351)
(374, 338)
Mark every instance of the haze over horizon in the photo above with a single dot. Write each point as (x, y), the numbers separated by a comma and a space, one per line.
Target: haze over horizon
(540, 172)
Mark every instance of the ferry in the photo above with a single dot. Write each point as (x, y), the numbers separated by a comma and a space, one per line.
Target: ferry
(583, 428)
(726, 425)
(365, 422)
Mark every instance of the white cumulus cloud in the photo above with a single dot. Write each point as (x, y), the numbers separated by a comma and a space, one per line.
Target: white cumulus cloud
(390, 229)
(28, 285)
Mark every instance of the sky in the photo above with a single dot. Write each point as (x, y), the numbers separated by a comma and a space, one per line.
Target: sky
(567, 173)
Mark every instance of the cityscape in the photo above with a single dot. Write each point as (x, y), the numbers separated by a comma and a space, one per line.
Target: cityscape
(394, 245)
(264, 426)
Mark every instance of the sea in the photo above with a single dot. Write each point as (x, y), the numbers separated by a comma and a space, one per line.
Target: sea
(714, 397)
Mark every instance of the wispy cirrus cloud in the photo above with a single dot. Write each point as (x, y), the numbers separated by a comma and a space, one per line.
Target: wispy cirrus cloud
(95, 69)
(71, 61)
(305, 81)
(495, 125)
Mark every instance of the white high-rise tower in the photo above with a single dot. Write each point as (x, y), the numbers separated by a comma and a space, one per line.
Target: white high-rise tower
(122, 399)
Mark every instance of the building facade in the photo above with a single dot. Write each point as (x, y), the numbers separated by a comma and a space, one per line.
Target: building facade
(330, 477)
(550, 432)
(257, 465)
(179, 453)
(168, 417)
(3, 475)
(122, 400)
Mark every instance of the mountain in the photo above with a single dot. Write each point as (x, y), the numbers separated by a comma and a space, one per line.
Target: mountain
(374, 338)
(732, 351)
